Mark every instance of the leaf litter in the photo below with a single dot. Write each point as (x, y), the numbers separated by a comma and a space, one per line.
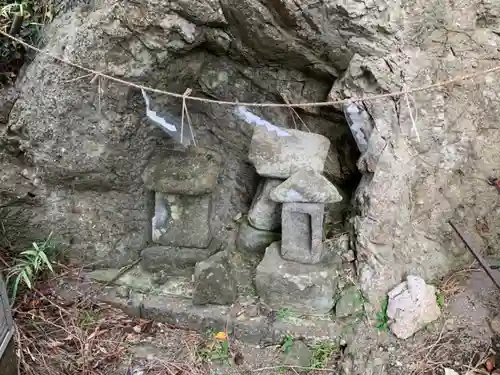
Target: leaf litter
(60, 337)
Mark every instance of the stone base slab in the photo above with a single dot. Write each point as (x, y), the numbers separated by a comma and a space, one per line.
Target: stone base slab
(261, 329)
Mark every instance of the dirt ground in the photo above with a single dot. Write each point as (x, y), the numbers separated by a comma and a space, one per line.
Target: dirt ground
(57, 337)
(461, 340)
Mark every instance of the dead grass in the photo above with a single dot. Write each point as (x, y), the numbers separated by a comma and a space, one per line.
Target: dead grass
(451, 349)
(448, 349)
(454, 283)
(60, 337)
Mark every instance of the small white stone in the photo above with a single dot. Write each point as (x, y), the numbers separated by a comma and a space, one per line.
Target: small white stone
(36, 181)
(449, 371)
(412, 305)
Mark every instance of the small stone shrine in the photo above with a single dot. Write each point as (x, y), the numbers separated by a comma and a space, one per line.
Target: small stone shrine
(182, 183)
(294, 272)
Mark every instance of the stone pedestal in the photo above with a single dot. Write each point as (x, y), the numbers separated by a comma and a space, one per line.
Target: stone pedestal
(304, 289)
(174, 260)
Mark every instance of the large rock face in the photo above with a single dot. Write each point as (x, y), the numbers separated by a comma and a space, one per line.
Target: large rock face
(421, 170)
(89, 141)
(86, 144)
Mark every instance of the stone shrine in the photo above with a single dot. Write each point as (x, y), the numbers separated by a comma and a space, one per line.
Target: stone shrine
(182, 183)
(293, 273)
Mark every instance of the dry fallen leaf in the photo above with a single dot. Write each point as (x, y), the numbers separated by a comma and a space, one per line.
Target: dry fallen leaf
(221, 336)
(490, 364)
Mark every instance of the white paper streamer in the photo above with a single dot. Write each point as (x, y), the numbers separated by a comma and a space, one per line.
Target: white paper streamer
(168, 126)
(250, 118)
(153, 116)
(358, 125)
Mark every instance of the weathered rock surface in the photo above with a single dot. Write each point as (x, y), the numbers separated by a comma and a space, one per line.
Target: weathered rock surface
(346, 29)
(339, 247)
(214, 282)
(349, 303)
(264, 213)
(302, 232)
(302, 288)
(187, 222)
(306, 186)
(254, 240)
(8, 96)
(92, 148)
(414, 183)
(297, 355)
(412, 305)
(495, 324)
(194, 172)
(279, 156)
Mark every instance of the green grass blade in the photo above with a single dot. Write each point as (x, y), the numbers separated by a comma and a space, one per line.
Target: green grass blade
(15, 287)
(32, 253)
(26, 279)
(46, 261)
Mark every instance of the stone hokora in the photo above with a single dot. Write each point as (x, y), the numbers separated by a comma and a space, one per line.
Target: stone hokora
(278, 156)
(302, 232)
(304, 196)
(183, 182)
